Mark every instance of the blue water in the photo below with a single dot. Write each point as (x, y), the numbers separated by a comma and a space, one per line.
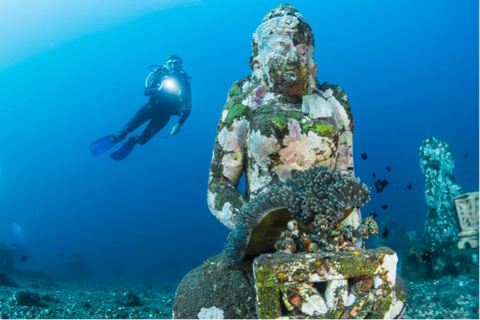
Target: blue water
(72, 73)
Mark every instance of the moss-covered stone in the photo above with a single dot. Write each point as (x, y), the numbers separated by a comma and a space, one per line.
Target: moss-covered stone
(284, 272)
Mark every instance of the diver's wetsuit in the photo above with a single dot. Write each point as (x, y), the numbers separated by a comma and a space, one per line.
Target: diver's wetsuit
(161, 106)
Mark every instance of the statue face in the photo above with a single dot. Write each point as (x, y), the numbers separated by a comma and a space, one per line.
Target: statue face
(284, 56)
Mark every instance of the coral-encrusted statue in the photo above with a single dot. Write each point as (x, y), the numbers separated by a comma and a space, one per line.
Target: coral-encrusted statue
(292, 138)
(279, 119)
(437, 161)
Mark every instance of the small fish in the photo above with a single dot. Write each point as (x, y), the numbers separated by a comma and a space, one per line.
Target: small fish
(374, 215)
(389, 168)
(380, 185)
(77, 255)
(385, 233)
(194, 263)
(14, 245)
(173, 264)
(426, 256)
(465, 156)
(23, 258)
(61, 255)
(364, 156)
(409, 186)
(374, 175)
(384, 207)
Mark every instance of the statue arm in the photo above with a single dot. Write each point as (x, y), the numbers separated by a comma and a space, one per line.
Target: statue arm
(226, 169)
(344, 161)
(344, 119)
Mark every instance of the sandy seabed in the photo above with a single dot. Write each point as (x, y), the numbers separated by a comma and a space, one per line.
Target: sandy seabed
(446, 298)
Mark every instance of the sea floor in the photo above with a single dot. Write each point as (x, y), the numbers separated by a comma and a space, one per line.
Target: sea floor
(54, 299)
(446, 298)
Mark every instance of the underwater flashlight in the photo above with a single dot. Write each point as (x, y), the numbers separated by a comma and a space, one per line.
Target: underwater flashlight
(170, 85)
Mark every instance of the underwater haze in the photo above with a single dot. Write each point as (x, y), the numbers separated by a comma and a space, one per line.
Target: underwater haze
(73, 72)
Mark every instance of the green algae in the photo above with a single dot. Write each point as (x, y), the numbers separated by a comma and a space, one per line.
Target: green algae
(235, 111)
(218, 204)
(323, 129)
(235, 90)
(268, 293)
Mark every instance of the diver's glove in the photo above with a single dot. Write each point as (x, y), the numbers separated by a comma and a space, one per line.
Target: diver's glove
(176, 129)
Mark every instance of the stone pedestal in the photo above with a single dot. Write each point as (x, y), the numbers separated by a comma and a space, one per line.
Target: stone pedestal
(358, 284)
(467, 211)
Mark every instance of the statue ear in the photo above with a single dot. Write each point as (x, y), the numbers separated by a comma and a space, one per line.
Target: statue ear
(314, 69)
(254, 62)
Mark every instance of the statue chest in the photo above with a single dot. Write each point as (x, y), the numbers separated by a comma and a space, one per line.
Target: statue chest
(280, 142)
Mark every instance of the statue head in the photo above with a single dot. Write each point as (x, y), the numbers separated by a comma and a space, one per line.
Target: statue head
(283, 52)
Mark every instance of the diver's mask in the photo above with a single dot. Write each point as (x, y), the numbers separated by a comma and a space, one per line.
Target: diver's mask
(173, 65)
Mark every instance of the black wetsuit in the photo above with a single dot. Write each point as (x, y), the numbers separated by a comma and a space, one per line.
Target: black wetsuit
(173, 100)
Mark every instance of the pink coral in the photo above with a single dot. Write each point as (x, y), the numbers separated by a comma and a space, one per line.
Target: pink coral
(259, 93)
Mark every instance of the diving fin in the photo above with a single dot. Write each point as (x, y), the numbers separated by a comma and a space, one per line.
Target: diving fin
(101, 145)
(125, 150)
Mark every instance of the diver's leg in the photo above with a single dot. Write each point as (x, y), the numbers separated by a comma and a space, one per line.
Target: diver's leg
(158, 122)
(143, 114)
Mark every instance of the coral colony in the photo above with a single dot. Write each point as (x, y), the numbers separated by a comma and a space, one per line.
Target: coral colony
(319, 198)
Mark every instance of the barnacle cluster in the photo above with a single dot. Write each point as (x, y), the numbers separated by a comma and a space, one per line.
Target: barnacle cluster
(304, 213)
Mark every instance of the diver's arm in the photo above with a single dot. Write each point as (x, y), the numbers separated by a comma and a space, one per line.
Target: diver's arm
(186, 111)
(187, 102)
(228, 160)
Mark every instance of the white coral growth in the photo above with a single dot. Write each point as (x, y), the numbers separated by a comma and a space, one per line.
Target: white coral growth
(210, 313)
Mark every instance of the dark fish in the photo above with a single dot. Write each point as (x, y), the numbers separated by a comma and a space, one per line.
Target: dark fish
(374, 175)
(385, 233)
(426, 256)
(100, 257)
(374, 215)
(61, 255)
(389, 168)
(409, 186)
(384, 207)
(23, 258)
(380, 185)
(14, 245)
(173, 264)
(77, 255)
(465, 156)
(364, 156)
(194, 263)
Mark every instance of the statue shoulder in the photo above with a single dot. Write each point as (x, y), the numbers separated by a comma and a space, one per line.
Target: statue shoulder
(334, 91)
(235, 108)
(238, 87)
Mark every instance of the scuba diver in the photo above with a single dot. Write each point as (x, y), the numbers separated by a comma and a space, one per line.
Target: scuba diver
(170, 94)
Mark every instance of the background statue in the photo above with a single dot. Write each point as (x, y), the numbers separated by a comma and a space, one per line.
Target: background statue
(437, 161)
